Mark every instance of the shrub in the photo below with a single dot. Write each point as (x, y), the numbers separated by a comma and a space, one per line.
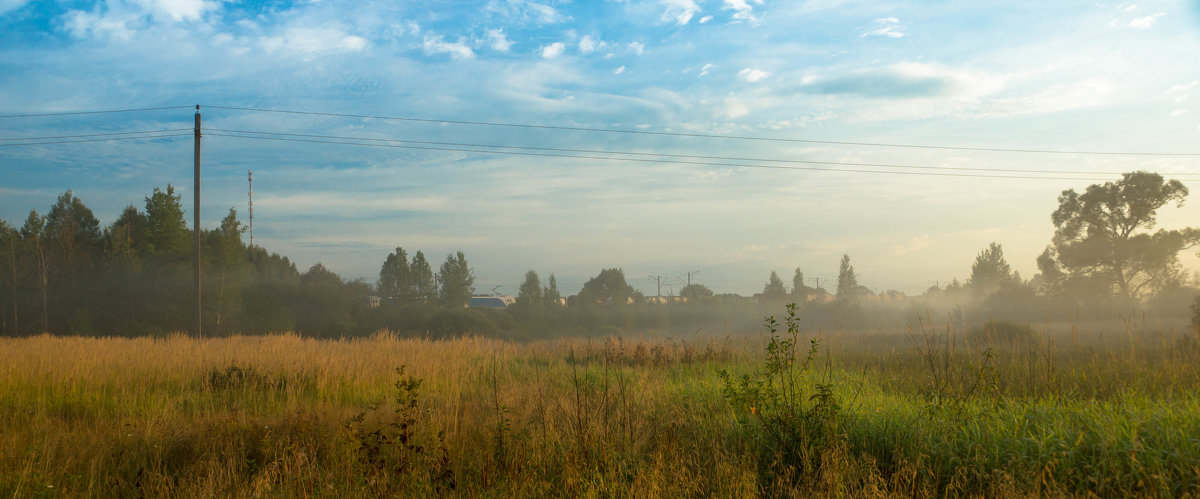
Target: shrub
(795, 422)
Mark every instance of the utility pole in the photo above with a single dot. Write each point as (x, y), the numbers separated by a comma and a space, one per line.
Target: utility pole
(690, 274)
(817, 281)
(658, 280)
(196, 224)
(251, 177)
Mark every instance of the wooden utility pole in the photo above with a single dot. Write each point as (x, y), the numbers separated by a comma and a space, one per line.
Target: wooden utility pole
(196, 224)
(250, 176)
(657, 279)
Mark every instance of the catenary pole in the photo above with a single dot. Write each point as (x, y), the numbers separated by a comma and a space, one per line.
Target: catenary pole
(196, 224)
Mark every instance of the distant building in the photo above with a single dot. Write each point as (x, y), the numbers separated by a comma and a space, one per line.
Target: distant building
(373, 301)
(498, 302)
(663, 300)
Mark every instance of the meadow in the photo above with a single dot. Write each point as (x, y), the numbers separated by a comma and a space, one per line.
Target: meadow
(926, 409)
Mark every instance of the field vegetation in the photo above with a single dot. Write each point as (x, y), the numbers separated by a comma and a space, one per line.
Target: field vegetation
(931, 407)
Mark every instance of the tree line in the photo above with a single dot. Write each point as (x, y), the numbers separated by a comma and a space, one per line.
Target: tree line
(63, 273)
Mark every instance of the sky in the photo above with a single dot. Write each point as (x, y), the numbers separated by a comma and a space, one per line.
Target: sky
(742, 80)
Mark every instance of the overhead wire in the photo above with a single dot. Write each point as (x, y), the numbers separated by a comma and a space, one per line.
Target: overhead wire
(703, 135)
(670, 155)
(96, 134)
(103, 139)
(644, 160)
(74, 113)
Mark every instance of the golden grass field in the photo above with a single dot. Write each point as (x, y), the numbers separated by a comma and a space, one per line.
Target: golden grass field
(1109, 411)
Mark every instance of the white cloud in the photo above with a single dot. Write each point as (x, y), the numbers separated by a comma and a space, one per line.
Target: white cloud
(704, 70)
(733, 108)
(638, 48)
(889, 27)
(84, 24)
(1145, 22)
(178, 10)
(545, 13)
(705, 19)
(526, 11)
(680, 11)
(1178, 112)
(753, 75)
(619, 70)
(457, 50)
(1088, 92)
(1183, 87)
(498, 41)
(7, 6)
(553, 50)
(312, 41)
(587, 44)
(741, 9)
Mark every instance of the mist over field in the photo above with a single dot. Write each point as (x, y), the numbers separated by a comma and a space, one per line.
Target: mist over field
(662, 248)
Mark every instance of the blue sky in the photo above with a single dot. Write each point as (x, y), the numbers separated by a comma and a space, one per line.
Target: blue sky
(1064, 75)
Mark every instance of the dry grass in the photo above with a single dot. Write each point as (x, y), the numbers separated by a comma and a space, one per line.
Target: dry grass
(292, 416)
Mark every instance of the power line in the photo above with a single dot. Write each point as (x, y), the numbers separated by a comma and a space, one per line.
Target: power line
(72, 113)
(140, 137)
(647, 160)
(701, 135)
(667, 155)
(97, 134)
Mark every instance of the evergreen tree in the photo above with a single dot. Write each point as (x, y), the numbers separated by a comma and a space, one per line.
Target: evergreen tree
(425, 288)
(457, 281)
(847, 281)
(551, 294)
(990, 272)
(11, 271)
(531, 300)
(799, 290)
(166, 232)
(33, 238)
(395, 277)
(773, 290)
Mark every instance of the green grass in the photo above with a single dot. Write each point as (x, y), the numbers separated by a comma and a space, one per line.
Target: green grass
(922, 412)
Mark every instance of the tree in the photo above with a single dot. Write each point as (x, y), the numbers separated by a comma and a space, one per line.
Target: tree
(773, 290)
(551, 294)
(847, 287)
(607, 288)
(166, 232)
(33, 238)
(72, 231)
(991, 272)
(457, 281)
(10, 251)
(799, 290)
(228, 257)
(120, 243)
(425, 289)
(531, 300)
(695, 292)
(72, 237)
(395, 277)
(1102, 241)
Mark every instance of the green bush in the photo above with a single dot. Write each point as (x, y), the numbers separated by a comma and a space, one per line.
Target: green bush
(795, 420)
